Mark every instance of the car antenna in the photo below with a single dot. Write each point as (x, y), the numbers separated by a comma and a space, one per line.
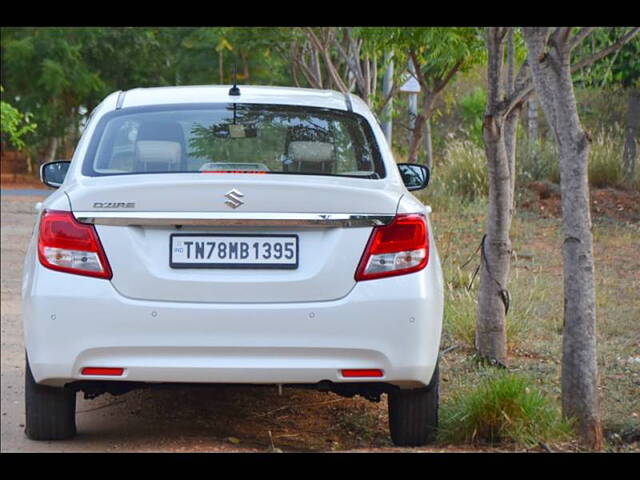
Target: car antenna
(235, 91)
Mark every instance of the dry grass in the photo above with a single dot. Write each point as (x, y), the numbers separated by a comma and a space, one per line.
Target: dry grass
(536, 314)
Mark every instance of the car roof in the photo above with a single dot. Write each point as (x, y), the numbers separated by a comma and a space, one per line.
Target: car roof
(220, 94)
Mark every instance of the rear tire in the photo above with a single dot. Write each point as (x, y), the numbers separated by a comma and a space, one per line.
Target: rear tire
(413, 414)
(50, 411)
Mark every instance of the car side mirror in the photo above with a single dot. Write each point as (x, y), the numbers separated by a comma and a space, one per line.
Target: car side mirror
(414, 176)
(53, 173)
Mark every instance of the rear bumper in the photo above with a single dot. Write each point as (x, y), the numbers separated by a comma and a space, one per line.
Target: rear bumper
(393, 324)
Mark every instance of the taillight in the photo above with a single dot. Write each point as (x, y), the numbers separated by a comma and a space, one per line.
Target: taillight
(67, 245)
(396, 249)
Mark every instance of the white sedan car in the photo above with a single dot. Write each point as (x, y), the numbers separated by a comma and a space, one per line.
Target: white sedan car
(305, 262)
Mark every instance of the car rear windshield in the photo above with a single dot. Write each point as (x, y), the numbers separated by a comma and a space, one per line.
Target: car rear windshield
(233, 138)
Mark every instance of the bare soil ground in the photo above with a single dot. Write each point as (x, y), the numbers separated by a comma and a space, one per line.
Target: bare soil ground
(20, 181)
(622, 205)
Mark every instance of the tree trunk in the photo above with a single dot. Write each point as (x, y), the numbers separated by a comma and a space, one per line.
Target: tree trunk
(428, 147)
(387, 112)
(499, 133)
(418, 127)
(532, 123)
(221, 66)
(630, 144)
(491, 336)
(551, 72)
(417, 131)
(52, 149)
(510, 143)
(245, 67)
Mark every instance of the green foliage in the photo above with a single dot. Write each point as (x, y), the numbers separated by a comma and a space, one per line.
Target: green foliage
(56, 73)
(472, 108)
(14, 124)
(503, 408)
(619, 69)
(437, 49)
(46, 72)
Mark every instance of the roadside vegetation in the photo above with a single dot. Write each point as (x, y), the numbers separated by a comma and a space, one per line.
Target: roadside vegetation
(534, 331)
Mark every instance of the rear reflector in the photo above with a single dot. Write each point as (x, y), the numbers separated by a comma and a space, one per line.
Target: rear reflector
(362, 373)
(102, 371)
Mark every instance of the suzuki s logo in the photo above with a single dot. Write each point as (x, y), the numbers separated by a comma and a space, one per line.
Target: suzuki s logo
(234, 197)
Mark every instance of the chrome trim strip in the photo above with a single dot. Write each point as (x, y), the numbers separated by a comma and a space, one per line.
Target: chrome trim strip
(234, 219)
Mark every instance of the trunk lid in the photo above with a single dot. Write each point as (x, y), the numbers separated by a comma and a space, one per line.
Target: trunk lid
(139, 251)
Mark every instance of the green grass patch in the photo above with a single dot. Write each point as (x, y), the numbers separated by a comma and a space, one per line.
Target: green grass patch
(504, 408)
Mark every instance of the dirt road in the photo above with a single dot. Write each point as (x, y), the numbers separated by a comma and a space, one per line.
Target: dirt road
(177, 420)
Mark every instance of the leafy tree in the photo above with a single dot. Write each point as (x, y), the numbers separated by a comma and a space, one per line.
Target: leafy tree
(46, 72)
(437, 55)
(550, 60)
(15, 124)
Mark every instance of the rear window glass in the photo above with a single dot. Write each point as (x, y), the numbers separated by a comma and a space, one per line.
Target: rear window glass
(233, 138)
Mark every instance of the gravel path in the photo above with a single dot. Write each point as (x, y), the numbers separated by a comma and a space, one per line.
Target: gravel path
(24, 192)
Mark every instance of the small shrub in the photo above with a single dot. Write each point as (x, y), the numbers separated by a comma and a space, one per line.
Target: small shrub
(504, 408)
(463, 173)
(472, 108)
(536, 161)
(605, 159)
(540, 161)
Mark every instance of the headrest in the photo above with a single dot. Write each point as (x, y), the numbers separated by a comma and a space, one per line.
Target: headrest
(311, 151)
(161, 130)
(158, 152)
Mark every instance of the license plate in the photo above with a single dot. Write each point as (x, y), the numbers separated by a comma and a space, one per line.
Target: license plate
(233, 251)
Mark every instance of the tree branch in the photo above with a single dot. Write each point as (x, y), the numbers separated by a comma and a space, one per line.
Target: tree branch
(327, 60)
(394, 89)
(510, 63)
(417, 71)
(350, 58)
(443, 83)
(580, 36)
(560, 37)
(523, 88)
(500, 33)
(495, 48)
(605, 51)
